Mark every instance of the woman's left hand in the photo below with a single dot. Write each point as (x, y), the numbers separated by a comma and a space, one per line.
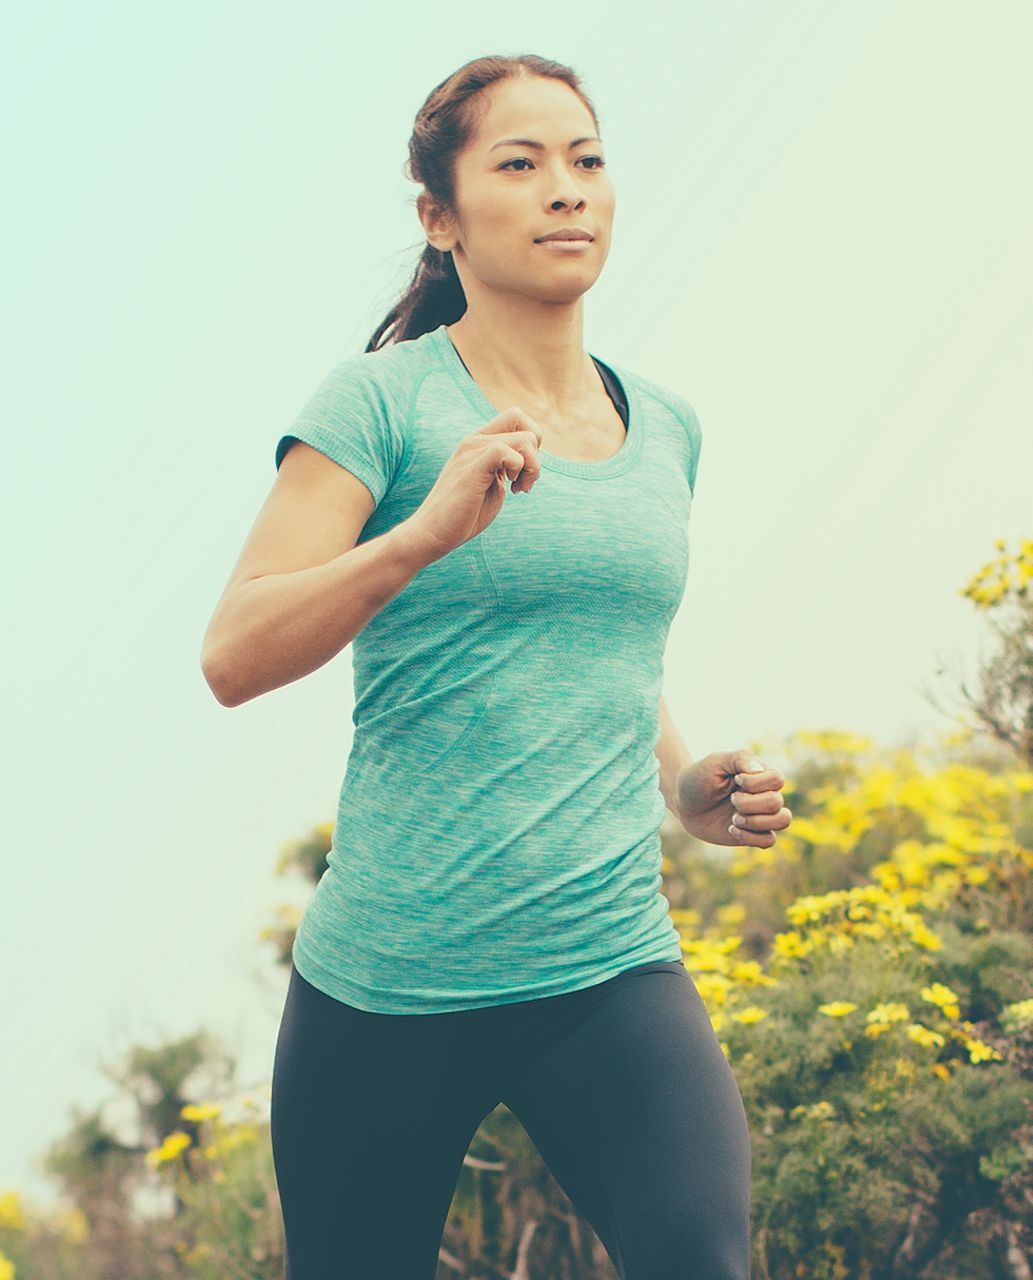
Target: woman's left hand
(730, 797)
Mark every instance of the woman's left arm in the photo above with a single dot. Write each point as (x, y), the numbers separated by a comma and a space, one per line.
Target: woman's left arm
(727, 797)
(673, 754)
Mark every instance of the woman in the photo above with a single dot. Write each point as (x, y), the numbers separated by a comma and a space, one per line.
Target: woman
(491, 926)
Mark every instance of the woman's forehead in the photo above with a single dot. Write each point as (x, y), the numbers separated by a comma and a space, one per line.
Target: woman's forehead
(532, 109)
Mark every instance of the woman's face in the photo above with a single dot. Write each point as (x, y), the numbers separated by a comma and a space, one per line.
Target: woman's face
(508, 194)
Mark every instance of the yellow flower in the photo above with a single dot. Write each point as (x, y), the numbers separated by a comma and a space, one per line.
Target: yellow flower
(874, 1029)
(923, 1035)
(978, 1051)
(833, 741)
(703, 954)
(194, 1111)
(943, 996)
(891, 1012)
(712, 988)
(942, 1070)
(837, 1008)
(169, 1149)
(6, 1267)
(789, 944)
(923, 936)
(752, 1013)
(750, 972)
(1019, 1010)
(11, 1214)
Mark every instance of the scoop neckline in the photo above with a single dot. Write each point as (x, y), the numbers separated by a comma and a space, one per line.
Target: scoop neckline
(603, 469)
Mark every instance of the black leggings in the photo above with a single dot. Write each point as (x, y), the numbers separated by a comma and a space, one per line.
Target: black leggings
(622, 1087)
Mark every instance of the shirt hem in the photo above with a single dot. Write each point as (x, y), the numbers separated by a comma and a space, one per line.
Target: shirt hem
(378, 1000)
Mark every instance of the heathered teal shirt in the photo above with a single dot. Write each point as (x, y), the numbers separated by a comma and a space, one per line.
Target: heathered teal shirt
(497, 831)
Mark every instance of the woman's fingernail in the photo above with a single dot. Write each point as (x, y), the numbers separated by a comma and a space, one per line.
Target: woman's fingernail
(734, 830)
(754, 766)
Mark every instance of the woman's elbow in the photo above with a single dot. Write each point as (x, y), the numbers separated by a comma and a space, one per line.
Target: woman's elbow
(215, 673)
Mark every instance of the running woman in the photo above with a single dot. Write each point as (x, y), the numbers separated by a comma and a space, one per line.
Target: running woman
(491, 926)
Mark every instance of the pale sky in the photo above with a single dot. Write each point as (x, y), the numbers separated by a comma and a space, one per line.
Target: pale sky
(821, 240)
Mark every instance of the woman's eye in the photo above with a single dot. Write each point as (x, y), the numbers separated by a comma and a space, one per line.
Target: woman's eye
(599, 162)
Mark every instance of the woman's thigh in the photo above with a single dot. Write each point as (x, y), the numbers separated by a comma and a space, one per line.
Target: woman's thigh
(371, 1116)
(628, 1097)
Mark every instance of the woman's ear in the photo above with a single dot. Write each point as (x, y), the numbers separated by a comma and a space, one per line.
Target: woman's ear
(437, 223)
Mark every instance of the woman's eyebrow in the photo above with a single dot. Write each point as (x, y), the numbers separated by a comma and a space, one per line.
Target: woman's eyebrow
(530, 142)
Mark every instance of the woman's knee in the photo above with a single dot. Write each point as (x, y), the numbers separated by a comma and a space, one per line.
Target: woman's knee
(681, 1233)
(714, 1250)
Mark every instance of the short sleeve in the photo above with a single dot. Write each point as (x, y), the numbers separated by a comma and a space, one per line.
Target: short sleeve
(695, 434)
(351, 417)
(695, 440)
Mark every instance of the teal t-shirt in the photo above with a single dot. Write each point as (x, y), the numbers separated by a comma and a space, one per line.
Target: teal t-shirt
(497, 829)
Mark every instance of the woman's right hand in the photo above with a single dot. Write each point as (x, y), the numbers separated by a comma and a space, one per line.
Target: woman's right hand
(471, 487)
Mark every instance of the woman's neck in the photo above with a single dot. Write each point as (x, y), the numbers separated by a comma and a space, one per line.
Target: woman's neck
(546, 359)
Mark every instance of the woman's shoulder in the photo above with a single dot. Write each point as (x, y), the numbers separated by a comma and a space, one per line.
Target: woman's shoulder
(380, 382)
(649, 389)
(392, 361)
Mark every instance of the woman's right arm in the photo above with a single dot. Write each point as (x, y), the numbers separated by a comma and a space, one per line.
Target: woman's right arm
(302, 589)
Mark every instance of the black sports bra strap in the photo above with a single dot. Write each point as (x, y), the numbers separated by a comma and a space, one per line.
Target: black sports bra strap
(614, 390)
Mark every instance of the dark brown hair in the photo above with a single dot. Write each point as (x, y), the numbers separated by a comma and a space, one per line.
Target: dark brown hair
(444, 124)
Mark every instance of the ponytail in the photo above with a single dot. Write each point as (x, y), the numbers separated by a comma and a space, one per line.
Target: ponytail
(434, 296)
